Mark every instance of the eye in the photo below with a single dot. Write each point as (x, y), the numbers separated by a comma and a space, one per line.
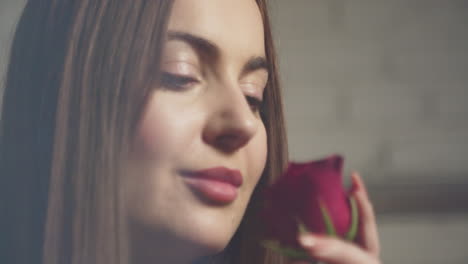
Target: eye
(175, 81)
(255, 104)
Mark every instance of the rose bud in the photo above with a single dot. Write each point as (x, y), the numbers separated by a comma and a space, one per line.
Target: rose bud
(308, 197)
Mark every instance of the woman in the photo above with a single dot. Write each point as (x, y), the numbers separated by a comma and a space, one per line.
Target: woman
(115, 113)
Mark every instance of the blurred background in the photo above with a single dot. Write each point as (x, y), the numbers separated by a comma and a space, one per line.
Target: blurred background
(385, 83)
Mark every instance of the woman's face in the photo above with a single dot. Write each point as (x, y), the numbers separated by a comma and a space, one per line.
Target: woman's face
(203, 114)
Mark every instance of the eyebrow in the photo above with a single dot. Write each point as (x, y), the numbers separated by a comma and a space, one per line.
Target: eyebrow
(208, 47)
(256, 63)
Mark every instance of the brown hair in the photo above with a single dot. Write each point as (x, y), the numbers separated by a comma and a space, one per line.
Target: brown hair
(76, 84)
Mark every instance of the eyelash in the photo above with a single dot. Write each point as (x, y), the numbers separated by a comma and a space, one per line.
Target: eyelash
(180, 82)
(177, 81)
(255, 104)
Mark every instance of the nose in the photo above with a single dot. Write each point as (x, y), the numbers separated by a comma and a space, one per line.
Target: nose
(231, 123)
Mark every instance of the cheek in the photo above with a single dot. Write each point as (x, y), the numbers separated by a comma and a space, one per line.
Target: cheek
(258, 154)
(152, 139)
(163, 131)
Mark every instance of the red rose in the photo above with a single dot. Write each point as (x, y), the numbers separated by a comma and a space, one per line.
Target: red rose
(311, 196)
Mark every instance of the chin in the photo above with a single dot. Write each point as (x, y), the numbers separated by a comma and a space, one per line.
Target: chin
(210, 238)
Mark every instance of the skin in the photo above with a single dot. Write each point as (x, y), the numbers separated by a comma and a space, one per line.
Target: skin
(207, 120)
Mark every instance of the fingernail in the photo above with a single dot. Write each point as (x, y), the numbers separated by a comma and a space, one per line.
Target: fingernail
(307, 240)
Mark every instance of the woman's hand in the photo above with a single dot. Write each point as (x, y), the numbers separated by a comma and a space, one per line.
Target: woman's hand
(331, 250)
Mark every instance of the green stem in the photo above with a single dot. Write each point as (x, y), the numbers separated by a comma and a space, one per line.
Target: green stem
(354, 220)
(327, 219)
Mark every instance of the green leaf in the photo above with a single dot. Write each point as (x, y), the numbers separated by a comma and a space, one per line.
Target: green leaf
(327, 219)
(351, 234)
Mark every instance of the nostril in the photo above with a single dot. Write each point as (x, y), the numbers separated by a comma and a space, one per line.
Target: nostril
(231, 142)
(227, 141)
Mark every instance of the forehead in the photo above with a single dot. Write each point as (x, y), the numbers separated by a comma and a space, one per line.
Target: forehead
(234, 25)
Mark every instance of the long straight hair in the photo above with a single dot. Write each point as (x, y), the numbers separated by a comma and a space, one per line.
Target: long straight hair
(76, 85)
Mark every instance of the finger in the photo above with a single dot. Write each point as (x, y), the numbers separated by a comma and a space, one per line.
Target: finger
(368, 234)
(335, 251)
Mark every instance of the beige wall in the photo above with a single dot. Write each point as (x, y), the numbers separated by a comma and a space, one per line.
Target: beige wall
(385, 83)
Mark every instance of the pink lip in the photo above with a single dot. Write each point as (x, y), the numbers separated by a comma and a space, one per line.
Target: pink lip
(217, 184)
